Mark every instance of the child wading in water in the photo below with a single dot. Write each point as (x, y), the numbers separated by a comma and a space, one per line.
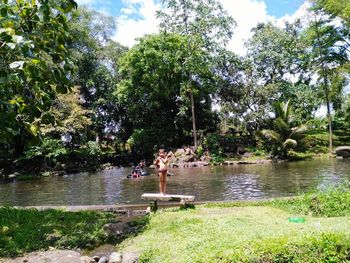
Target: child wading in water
(162, 164)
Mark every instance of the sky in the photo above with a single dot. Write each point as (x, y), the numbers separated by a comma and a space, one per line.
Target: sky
(137, 17)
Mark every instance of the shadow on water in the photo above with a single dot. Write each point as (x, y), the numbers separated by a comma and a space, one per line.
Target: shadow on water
(213, 183)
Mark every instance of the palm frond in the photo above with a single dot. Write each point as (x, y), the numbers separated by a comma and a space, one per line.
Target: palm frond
(271, 135)
(299, 129)
(290, 143)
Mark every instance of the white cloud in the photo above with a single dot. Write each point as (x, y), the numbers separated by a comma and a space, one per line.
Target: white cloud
(247, 14)
(301, 13)
(129, 28)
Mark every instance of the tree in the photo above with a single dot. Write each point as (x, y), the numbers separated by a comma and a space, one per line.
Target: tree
(275, 68)
(206, 25)
(283, 135)
(152, 90)
(328, 57)
(71, 120)
(335, 8)
(98, 71)
(35, 66)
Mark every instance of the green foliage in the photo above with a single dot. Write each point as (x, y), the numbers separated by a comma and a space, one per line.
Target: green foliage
(282, 137)
(212, 142)
(205, 19)
(335, 8)
(324, 247)
(331, 201)
(154, 91)
(35, 65)
(26, 230)
(91, 150)
(51, 150)
(70, 118)
(248, 231)
(97, 58)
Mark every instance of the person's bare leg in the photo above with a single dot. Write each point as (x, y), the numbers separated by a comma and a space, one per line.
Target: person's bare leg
(160, 183)
(164, 183)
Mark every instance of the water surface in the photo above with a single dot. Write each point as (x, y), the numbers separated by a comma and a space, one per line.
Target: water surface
(207, 184)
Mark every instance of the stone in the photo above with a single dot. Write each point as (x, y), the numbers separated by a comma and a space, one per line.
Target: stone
(343, 151)
(12, 176)
(86, 259)
(115, 257)
(114, 229)
(179, 152)
(188, 151)
(130, 257)
(96, 258)
(50, 256)
(152, 166)
(247, 154)
(103, 260)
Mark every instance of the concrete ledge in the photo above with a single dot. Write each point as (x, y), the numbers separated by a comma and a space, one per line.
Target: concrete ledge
(168, 197)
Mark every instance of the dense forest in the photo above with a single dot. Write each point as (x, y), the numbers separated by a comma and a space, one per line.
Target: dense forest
(69, 94)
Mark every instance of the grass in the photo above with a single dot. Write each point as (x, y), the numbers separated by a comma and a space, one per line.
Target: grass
(25, 230)
(251, 231)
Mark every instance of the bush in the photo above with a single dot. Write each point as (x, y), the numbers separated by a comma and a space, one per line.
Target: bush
(324, 247)
(51, 150)
(91, 150)
(212, 144)
(332, 201)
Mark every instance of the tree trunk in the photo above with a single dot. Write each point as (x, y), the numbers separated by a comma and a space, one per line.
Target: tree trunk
(325, 87)
(194, 122)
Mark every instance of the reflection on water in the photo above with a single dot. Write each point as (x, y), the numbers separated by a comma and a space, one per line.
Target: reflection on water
(207, 183)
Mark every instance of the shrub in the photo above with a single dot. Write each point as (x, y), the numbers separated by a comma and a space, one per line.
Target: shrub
(51, 150)
(91, 150)
(331, 201)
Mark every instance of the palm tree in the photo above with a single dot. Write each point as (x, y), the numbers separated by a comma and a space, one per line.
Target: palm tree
(283, 136)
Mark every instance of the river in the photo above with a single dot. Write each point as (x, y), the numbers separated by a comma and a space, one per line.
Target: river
(213, 183)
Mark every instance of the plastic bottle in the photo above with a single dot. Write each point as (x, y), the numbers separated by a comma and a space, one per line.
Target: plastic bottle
(296, 219)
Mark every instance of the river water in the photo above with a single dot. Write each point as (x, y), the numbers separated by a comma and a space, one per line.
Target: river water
(214, 183)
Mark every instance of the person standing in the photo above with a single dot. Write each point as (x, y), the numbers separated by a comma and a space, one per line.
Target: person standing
(162, 164)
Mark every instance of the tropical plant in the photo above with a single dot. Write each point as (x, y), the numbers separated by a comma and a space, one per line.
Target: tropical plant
(283, 135)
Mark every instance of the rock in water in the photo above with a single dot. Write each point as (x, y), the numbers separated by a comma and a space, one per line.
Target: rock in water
(86, 259)
(343, 151)
(115, 257)
(103, 260)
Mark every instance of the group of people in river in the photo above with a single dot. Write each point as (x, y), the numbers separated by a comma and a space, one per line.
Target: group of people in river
(138, 170)
(161, 163)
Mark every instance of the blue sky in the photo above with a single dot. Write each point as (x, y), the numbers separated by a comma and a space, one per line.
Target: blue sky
(280, 8)
(135, 18)
(276, 8)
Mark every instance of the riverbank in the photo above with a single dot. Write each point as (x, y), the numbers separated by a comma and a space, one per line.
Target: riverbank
(250, 232)
(255, 231)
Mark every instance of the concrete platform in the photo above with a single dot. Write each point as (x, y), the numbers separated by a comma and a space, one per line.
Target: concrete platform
(167, 197)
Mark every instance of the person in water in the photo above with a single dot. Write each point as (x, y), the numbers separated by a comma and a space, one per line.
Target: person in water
(162, 164)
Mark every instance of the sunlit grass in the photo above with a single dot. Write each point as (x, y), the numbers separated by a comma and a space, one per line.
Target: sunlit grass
(251, 231)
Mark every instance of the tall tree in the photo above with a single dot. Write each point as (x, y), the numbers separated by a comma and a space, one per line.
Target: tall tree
(152, 87)
(35, 65)
(274, 69)
(327, 55)
(97, 58)
(206, 25)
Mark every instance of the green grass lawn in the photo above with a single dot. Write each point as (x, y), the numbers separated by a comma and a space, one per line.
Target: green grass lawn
(251, 232)
(25, 230)
(233, 234)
